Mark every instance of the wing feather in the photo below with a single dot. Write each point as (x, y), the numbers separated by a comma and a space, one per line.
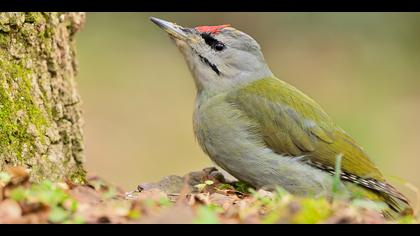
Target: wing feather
(294, 124)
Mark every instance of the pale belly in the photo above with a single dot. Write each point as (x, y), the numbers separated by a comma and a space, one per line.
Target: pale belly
(232, 142)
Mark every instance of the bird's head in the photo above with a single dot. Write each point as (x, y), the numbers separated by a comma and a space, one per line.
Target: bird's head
(219, 57)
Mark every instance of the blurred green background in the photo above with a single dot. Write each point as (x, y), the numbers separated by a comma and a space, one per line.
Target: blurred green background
(363, 68)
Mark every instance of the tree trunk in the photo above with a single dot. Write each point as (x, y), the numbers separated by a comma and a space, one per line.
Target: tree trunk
(40, 116)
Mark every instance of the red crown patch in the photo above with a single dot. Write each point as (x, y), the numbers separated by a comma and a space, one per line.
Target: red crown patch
(211, 29)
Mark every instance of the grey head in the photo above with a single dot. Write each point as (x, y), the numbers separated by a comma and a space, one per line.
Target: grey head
(219, 57)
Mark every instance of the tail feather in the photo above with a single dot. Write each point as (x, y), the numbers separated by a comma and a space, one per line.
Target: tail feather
(375, 190)
(398, 205)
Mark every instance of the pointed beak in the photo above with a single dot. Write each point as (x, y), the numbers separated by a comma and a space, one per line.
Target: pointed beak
(172, 29)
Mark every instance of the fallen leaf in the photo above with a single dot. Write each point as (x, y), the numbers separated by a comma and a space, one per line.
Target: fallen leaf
(111, 211)
(19, 174)
(201, 198)
(222, 200)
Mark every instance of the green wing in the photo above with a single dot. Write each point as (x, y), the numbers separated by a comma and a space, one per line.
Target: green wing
(293, 124)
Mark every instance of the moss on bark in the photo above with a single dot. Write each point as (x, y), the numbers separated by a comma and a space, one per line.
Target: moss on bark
(40, 116)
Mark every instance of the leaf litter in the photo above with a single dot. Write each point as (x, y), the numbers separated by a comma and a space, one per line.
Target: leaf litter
(200, 197)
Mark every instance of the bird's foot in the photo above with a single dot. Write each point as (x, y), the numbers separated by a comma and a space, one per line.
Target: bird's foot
(212, 173)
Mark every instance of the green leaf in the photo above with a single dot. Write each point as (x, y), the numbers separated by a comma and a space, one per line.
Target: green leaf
(242, 187)
(58, 214)
(200, 187)
(207, 215)
(312, 211)
(78, 220)
(4, 178)
(46, 193)
(208, 182)
(134, 214)
(407, 220)
(18, 194)
(273, 216)
(75, 220)
(165, 202)
(224, 186)
(73, 205)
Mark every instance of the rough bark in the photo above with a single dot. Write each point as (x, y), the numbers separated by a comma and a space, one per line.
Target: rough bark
(40, 115)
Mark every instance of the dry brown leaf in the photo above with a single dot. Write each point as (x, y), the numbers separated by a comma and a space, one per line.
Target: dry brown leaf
(19, 174)
(32, 207)
(199, 198)
(225, 201)
(33, 218)
(111, 211)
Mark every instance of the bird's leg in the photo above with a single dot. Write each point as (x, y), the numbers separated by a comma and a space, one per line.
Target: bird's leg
(220, 176)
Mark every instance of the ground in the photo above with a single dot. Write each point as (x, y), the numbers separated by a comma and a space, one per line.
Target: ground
(198, 197)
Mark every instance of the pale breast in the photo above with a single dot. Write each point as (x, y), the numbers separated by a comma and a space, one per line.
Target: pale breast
(234, 143)
(223, 130)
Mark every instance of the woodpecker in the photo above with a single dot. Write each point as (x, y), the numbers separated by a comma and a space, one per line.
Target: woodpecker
(264, 131)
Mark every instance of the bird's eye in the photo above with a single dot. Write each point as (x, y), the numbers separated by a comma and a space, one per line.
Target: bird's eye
(219, 46)
(212, 42)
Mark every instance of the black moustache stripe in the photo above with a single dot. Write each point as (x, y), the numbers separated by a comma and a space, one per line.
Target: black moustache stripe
(212, 66)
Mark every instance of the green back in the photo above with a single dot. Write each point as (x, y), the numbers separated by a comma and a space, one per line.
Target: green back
(293, 124)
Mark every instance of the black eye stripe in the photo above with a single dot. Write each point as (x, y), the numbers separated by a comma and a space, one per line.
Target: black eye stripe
(212, 42)
(209, 39)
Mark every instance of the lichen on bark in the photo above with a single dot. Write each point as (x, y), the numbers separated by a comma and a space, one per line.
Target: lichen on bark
(40, 115)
